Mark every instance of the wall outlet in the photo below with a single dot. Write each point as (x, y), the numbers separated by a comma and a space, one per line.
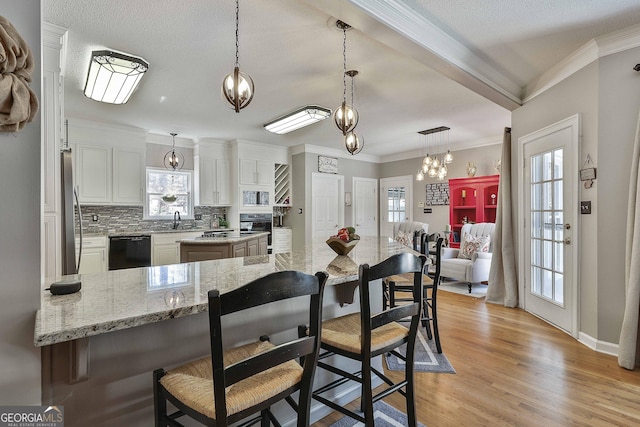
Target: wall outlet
(585, 207)
(94, 218)
(198, 217)
(421, 204)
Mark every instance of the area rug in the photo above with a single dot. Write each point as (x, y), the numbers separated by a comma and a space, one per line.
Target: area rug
(427, 358)
(384, 415)
(477, 290)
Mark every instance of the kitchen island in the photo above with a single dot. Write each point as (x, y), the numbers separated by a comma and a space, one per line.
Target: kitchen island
(231, 244)
(100, 345)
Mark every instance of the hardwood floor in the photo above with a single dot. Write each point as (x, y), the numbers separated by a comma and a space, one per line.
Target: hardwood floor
(513, 369)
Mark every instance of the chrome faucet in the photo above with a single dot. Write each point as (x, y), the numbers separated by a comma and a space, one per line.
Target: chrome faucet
(176, 220)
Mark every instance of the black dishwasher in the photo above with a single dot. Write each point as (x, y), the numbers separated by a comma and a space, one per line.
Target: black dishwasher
(129, 252)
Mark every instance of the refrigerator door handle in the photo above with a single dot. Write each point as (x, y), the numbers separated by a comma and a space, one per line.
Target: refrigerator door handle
(75, 195)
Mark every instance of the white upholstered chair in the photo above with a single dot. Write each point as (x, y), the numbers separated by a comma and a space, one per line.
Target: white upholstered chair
(475, 269)
(409, 229)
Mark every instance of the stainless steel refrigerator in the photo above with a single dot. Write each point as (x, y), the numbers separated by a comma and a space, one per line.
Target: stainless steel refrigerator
(69, 200)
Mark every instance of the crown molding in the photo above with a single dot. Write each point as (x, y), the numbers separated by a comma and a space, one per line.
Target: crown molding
(608, 44)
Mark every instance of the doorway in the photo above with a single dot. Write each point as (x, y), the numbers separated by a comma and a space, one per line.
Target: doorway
(548, 201)
(365, 206)
(327, 214)
(396, 194)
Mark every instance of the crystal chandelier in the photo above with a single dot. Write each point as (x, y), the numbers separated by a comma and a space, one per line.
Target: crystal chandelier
(237, 87)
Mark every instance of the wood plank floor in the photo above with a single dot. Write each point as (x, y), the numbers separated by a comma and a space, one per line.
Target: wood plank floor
(512, 369)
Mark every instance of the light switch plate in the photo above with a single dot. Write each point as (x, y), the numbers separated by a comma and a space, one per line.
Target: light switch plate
(421, 204)
(585, 207)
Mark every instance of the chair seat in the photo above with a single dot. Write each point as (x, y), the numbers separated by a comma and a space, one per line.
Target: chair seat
(192, 383)
(344, 333)
(408, 279)
(455, 267)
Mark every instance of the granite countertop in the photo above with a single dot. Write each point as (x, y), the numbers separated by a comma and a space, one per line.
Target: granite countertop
(122, 299)
(222, 238)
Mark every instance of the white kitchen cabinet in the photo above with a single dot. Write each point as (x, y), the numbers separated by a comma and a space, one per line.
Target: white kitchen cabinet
(110, 175)
(165, 249)
(93, 173)
(213, 183)
(281, 238)
(256, 172)
(94, 254)
(128, 175)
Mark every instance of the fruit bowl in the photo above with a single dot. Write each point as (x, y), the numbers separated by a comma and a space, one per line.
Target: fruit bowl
(341, 247)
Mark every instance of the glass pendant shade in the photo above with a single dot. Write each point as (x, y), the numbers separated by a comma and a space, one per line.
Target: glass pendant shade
(433, 172)
(427, 160)
(353, 143)
(237, 89)
(435, 163)
(448, 158)
(346, 118)
(420, 175)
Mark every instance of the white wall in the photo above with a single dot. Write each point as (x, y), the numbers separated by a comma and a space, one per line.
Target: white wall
(20, 231)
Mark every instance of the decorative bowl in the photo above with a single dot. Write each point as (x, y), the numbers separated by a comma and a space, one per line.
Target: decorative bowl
(341, 247)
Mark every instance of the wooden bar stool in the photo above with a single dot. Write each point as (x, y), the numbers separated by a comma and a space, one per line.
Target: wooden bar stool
(363, 336)
(244, 381)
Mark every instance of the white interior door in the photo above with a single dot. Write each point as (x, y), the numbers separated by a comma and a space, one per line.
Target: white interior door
(396, 194)
(365, 206)
(550, 159)
(327, 204)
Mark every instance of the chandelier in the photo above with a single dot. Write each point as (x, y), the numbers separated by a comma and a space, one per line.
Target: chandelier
(173, 160)
(237, 87)
(434, 165)
(345, 117)
(352, 141)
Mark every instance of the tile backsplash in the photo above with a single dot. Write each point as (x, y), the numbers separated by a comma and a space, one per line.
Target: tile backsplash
(124, 219)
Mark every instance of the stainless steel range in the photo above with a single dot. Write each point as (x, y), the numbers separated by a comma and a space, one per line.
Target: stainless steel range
(257, 222)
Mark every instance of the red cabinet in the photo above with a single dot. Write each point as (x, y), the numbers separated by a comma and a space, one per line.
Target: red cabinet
(471, 200)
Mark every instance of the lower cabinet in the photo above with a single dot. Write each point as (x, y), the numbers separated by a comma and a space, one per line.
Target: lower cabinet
(94, 254)
(204, 252)
(165, 249)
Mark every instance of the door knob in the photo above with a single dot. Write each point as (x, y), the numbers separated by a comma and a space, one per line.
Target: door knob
(567, 226)
(567, 241)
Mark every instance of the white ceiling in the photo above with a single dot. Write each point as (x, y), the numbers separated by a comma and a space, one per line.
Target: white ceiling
(422, 63)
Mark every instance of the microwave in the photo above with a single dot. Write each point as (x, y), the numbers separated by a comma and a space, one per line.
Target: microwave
(255, 198)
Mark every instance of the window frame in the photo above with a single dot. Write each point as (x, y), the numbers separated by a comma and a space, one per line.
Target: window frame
(188, 194)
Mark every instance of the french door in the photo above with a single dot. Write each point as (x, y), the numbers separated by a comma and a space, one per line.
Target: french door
(549, 163)
(395, 202)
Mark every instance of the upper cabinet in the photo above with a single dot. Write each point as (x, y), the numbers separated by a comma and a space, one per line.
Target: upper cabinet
(108, 172)
(212, 175)
(256, 172)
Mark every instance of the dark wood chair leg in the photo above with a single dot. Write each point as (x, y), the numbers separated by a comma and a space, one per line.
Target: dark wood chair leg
(469, 284)
(160, 411)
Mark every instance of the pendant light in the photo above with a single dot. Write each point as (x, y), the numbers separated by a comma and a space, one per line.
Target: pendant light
(352, 141)
(237, 87)
(435, 166)
(173, 160)
(345, 117)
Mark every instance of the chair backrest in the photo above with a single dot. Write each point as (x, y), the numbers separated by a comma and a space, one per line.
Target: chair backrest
(269, 289)
(401, 263)
(480, 229)
(409, 227)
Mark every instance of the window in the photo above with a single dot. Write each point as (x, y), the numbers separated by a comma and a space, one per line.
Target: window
(163, 183)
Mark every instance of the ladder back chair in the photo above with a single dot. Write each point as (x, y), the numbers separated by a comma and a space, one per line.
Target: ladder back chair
(241, 383)
(362, 336)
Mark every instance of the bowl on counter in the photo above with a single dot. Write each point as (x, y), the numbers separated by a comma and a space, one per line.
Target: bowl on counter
(341, 247)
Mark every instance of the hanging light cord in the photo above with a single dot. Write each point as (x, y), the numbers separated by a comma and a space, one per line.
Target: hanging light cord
(344, 64)
(237, 24)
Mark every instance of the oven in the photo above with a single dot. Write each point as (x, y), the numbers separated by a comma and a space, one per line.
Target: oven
(257, 222)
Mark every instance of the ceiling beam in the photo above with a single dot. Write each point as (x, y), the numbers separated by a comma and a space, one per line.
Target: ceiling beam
(394, 24)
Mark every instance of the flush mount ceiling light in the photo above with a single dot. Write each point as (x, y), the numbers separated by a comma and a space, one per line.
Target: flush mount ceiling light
(297, 119)
(345, 117)
(237, 87)
(113, 76)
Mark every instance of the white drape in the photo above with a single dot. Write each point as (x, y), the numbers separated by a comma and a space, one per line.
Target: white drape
(629, 333)
(503, 280)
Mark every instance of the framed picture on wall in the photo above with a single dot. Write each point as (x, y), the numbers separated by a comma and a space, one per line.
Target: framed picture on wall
(327, 164)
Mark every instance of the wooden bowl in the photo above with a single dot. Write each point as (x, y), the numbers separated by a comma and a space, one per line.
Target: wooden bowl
(341, 247)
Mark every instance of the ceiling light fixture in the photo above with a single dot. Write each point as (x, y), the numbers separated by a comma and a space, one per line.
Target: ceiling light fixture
(113, 76)
(173, 160)
(297, 119)
(237, 87)
(352, 141)
(432, 165)
(345, 117)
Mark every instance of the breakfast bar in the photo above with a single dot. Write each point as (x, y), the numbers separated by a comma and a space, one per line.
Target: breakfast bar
(100, 345)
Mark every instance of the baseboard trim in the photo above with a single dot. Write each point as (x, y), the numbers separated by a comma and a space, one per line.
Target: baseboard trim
(597, 345)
